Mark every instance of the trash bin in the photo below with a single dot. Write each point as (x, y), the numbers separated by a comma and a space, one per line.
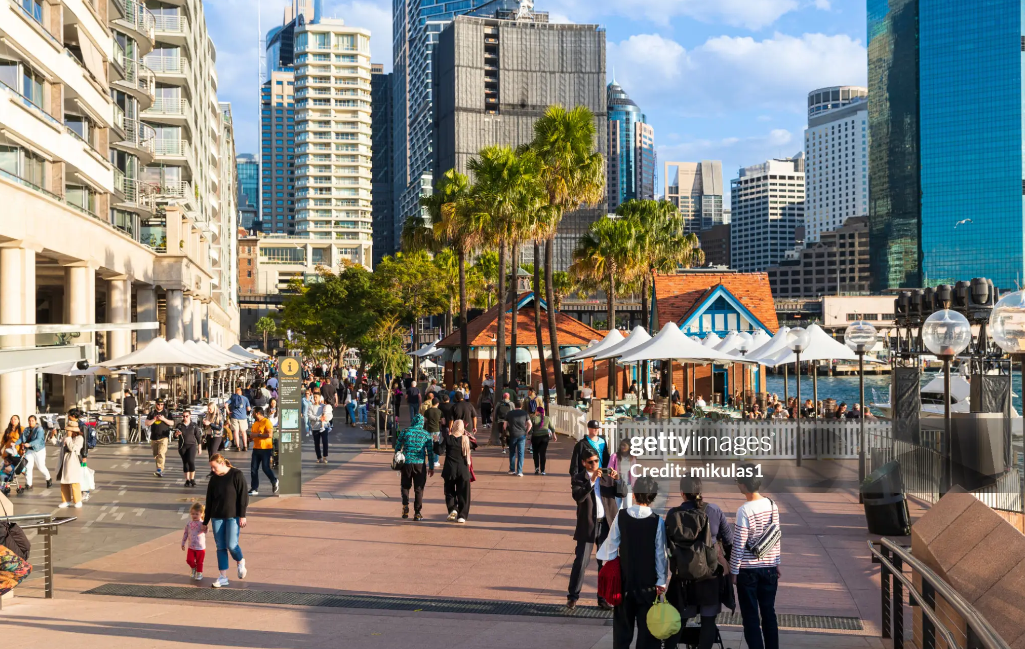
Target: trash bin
(886, 506)
(121, 421)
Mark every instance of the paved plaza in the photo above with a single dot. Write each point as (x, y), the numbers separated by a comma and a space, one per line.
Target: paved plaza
(344, 537)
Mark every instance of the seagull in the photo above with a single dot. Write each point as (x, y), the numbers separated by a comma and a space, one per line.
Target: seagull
(962, 222)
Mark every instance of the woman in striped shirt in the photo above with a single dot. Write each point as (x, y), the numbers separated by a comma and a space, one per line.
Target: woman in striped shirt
(756, 577)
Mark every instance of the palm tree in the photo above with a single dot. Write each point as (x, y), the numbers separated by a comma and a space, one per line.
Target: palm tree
(502, 187)
(605, 255)
(450, 223)
(573, 174)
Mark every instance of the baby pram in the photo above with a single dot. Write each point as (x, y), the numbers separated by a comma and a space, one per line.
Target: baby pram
(10, 472)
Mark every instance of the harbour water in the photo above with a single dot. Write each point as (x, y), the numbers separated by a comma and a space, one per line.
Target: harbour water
(845, 388)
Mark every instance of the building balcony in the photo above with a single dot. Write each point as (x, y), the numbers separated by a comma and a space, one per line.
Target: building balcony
(172, 110)
(132, 194)
(137, 82)
(136, 21)
(173, 151)
(137, 140)
(171, 29)
(169, 69)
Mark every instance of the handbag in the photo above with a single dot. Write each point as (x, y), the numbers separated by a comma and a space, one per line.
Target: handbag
(473, 476)
(663, 619)
(610, 582)
(770, 537)
(398, 460)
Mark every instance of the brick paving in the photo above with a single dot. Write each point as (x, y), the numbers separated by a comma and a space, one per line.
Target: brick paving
(345, 535)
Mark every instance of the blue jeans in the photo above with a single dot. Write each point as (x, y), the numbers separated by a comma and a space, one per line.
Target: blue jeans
(226, 538)
(756, 594)
(261, 458)
(517, 446)
(351, 407)
(362, 410)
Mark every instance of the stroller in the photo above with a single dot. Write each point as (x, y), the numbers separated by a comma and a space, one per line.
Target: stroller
(13, 467)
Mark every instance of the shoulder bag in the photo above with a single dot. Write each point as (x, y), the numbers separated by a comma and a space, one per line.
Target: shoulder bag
(770, 537)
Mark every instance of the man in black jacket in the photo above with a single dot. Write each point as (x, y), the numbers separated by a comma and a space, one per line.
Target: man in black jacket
(594, 516)
(593, 441)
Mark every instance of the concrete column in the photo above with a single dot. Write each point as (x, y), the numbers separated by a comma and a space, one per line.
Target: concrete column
(175, 323)
(28, 258)
(146, 309)
(80, 301)
(188, 318)
(119, 311)
(12, 310)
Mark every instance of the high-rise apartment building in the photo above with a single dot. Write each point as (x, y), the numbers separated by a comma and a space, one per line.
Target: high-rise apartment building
(277, 153)
(767, 204)
(416, 25)
(696, 189)
(836, 264)
(945, 113)
(496, 76)
(382, 194)
(333, 137)
(248, 172)
(630, 170)
(836, 149)
(118, 162)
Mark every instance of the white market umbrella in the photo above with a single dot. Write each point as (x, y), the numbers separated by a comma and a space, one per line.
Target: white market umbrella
(730, 343)
(204, 353)
(637, 337)
(159, 352)
(223, 354)
(242, 352)
(711, 339)
(673, 344)
(771, 347)
(614, 337)
(821, 347)
(429, 364)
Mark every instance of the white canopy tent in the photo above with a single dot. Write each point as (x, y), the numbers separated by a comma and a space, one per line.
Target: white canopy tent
(614, 337)
(771, 348)
(159, 352)
(672, 344)
(636, 338)
(242, 352)
(821, 347)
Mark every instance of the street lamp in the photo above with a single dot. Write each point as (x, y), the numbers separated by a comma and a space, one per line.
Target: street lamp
(1007, 326)
(744, 346)
(860, 337)
(797, 341)
(946, 333)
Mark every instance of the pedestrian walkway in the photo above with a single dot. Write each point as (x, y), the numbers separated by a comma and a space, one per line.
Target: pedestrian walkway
(344, 537)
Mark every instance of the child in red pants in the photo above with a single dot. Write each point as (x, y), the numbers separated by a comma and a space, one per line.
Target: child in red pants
(195, 539)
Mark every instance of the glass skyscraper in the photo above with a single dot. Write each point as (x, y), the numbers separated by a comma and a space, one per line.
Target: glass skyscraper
(248, 173)
(631, 162)
(945, 126)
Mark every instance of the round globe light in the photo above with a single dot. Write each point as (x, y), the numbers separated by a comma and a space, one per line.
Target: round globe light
(745, 342)
(1007, 323)
(860, 335)
(946, 333)
(798, 339)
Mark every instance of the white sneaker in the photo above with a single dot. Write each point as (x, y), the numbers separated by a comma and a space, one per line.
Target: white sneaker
(198, 576)
(193, 573)
(253, 492)
(461, 520)
(64, 505)
(78, 505)
(275, 487)
(220, 582)
(242, 572)
(452, 515)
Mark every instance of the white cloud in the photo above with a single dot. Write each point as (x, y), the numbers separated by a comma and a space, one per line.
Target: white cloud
(728, 73)
(748, 14)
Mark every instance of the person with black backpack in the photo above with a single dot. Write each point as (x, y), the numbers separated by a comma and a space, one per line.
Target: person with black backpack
(699, 541)
(638, 540)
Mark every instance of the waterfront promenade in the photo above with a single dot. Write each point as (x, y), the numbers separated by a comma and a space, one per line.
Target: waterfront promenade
(344, 538)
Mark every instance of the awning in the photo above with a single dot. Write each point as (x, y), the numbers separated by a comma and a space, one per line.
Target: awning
(566, 352)
(159, 352)
(523, 355)
(91, 56)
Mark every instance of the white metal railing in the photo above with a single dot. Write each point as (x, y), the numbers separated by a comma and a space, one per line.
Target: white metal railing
(167, 64)
(138, 75)
(137, 15)
(170, 23)
(138, 135)
(171, 147)
(169, 106)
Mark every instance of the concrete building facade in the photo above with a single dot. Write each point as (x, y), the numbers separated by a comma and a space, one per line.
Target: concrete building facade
(333, 137)
(495, 77)
(838, 263)
(104, 151)
(767, 213)
(715, 243)
(696, 188)
(836, 146)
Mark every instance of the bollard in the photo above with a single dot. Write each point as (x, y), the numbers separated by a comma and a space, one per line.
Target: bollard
(121, 421)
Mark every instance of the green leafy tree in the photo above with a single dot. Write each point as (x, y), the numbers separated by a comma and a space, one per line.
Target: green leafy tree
(266, 326)
(573, 174)
(408, 279)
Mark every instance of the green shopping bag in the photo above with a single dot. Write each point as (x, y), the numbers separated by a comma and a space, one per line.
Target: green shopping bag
(663, 620)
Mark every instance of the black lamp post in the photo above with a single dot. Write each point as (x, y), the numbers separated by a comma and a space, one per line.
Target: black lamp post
(860, 337)
(797, 341)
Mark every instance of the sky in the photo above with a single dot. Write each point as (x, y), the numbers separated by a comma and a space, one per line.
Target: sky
(718, 79)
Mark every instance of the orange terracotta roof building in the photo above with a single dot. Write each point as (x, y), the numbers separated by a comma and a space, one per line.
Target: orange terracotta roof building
(677, 297)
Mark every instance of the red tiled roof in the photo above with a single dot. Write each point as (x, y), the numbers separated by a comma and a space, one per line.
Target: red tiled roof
(677, 296)
(482, 329)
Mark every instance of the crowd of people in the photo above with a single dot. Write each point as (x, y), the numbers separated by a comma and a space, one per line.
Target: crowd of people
(693, 556)
(772, 407)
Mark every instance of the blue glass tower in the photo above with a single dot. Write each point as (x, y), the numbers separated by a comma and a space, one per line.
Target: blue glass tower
(945, 125)
(631, 162)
